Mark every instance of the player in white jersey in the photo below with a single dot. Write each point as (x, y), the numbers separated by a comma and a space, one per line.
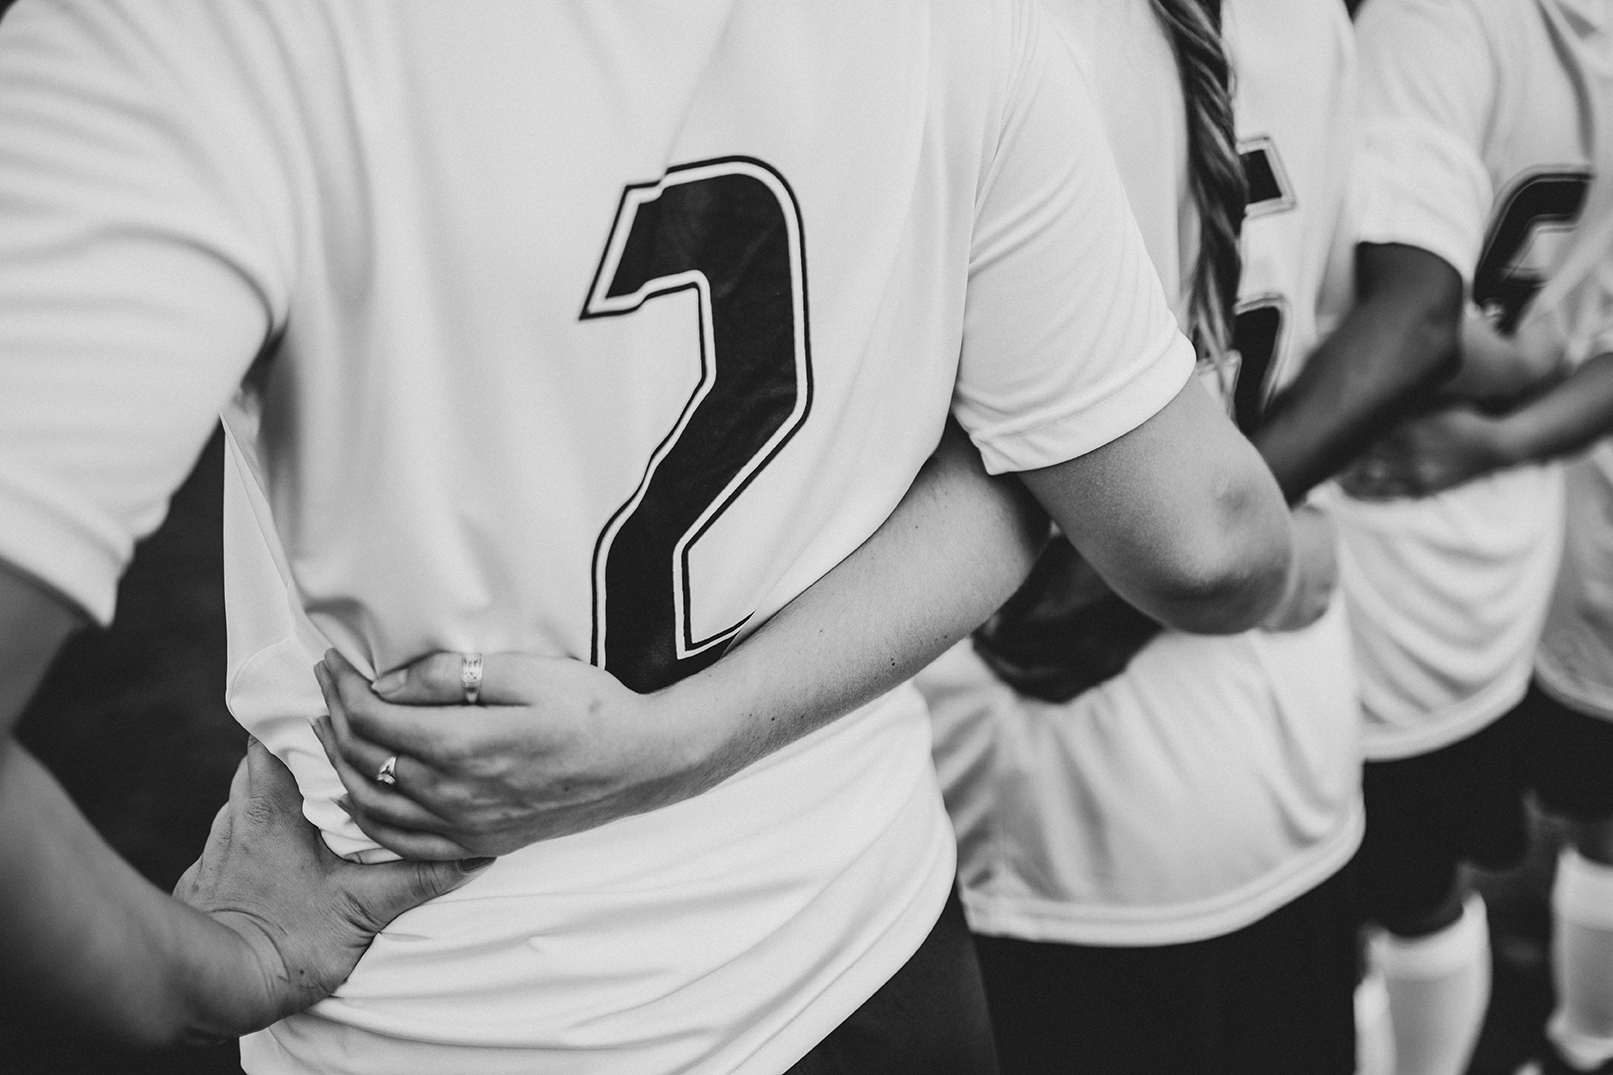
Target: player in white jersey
(1155, 868)
(532, 362)
(1485, 146)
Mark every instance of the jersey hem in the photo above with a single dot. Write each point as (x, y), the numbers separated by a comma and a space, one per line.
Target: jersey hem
(1590, 699)
(1120, 926)
(1440, 729)
(46, 540)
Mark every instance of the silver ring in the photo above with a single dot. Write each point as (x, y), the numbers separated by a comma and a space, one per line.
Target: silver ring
(470, 677)
(387, 775)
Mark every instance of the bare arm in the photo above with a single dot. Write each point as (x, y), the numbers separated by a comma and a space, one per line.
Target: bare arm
(1448, 447)
(1180, 516)
(1383, 361)
(95, 940)
(1180, 510)
(1498, 371)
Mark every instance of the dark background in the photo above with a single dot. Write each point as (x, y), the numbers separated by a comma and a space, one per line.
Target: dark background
(132, 722)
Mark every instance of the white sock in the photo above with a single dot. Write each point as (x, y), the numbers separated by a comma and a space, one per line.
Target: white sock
(1439, 987)
(1374, 1037)
(1582, 961)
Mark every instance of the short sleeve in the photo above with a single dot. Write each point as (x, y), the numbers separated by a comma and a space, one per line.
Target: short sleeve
(131, 300)
(1427, 93)
(1068, 342)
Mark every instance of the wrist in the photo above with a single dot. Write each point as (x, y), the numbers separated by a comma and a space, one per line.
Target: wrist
(220, 988)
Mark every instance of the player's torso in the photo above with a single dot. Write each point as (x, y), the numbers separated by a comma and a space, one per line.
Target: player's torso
(1448, 593)
(1216, 778)
(643, 350)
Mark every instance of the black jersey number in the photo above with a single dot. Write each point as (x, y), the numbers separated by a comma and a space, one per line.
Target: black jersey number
(1502, 286)
(730, 231)
(1256, 333)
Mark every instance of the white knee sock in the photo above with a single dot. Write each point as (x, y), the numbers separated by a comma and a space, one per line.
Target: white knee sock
(1374, 1037)
(1582, 961)
(1439, 987)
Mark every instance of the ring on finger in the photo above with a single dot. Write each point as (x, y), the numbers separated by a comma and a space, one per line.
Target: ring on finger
(470, 677)
(387, 775)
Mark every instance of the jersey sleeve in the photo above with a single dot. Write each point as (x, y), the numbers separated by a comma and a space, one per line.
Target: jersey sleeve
(1427, 92)
(131, 298)
(1067, 341)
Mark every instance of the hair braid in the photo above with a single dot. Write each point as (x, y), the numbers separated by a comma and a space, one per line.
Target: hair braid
(1215, 171)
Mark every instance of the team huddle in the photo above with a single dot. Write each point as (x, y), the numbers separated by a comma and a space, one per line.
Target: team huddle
(902, 537)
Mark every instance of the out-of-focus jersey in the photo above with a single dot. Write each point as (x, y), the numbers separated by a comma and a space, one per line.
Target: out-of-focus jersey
(598, 330)
(1217, 778)
(1575, 659)
(1477, 146)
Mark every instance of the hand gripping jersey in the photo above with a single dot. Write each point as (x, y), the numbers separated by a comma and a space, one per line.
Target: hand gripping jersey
(589, 329)
(1217, 778)
(1478, 120)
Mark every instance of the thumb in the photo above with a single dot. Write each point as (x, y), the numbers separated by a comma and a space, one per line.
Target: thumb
(387, 889)
(269, 781)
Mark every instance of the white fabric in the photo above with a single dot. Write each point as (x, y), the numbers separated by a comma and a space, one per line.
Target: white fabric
(410, 201)
(1464, 102)
(1374, 1037)
(1439, 988)
(1217, 778)
(1581, 1027)
(1575, 660)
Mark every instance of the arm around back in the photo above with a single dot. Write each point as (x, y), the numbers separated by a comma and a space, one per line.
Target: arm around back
(1180, 516)
(1399, 342)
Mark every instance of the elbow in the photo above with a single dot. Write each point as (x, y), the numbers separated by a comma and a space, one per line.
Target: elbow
(1236, 570)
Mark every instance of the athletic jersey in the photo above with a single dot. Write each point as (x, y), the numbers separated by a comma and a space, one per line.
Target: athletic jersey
(597, 330)
(1217, 778)
(1476, 147)
(1575, 659)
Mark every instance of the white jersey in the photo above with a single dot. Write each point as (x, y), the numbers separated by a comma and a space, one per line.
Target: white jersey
(1575, 659)
(1217, 778)
(1476, 147)
(583, 329)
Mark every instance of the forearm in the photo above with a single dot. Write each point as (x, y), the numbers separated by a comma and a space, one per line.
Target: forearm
(1499, 371)
(955, 549)
(78, 925)
(87, 934)
(1382, 362)
(1564, 420)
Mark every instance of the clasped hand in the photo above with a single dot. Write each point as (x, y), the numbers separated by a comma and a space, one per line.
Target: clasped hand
(555, 747)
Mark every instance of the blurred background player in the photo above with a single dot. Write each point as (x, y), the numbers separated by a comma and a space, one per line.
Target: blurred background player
(1485, 147)
(1155, 865)
(420, 465)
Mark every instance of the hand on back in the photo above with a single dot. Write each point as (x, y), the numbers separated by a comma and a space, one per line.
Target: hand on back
(294, 917)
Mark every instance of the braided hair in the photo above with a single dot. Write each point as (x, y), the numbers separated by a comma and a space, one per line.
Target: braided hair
(1215, 171)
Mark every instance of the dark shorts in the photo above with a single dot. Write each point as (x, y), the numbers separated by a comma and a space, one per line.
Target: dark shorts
(1276, 997)
(929, 1019)
(1426, 815)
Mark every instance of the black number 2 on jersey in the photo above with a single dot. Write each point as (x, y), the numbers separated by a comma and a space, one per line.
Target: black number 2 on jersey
(730, 231)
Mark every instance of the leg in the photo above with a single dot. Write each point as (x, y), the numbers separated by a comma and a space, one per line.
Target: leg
(1425, 815)
(1572, 762)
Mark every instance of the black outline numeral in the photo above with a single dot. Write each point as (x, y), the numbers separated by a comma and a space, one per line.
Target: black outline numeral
(730, 231)
(1544, 199)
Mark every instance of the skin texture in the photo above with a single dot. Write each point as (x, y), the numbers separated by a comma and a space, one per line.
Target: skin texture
(1382, 363)
(558, 746)
(1453, 445)
(267, 922)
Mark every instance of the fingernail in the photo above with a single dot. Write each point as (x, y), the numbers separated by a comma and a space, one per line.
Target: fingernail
(472, 865)
(390, 682)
